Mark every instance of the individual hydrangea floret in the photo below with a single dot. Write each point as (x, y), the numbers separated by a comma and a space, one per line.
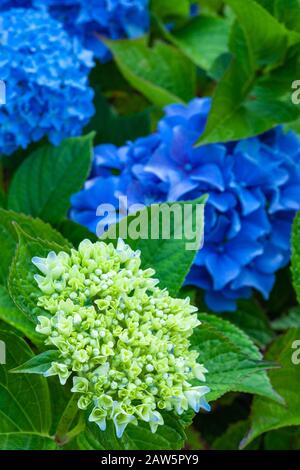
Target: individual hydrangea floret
(253, 188)
(125, 340)
(46, 76)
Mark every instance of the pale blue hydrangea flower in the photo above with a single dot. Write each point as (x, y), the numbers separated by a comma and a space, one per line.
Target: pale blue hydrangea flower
(125, 340)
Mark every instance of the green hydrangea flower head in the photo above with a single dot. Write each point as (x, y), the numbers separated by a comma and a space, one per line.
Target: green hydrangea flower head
(125, 340)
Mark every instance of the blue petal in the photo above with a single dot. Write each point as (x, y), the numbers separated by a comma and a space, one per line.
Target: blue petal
(270, 261)
(243, 250)
(222, 201)
(253, 278)
(209, 174)
(222, 268)
(249, 200)
(217, 302)
(178, 190)
(290, 197)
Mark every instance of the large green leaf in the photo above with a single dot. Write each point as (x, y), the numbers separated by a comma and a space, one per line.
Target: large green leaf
(26, 441)
(75, 232)
(8, 236)
(269, 39)
(288, 12)
(169, 256)
(254, 93)
(243, 107)
(234, 363)
(283, 439)
(290, 320)
(161, 73)
(266, 415)
(211, 5)
(24, 401)
(43, 184)
(194, 439)
(203, 39)
(10, 314)
(253, 321)
(170, 436)
(22, 286)
(37, 364)
(167, 9)
(231, 438)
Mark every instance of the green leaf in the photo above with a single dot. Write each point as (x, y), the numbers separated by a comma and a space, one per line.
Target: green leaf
(43, 184)
(234, 363)
(60, 396)
(161, 73)
(266, 415)
(253, 321)
(11, 315)
(269, 39)
(238, 114)
(167, 9)
(291, 320)
(283, 439)
(231, 439)
(288, 12)
(212, 5)
(75, 233)
(24, 401)
(296, 255)
(26, 441)
(22, 287)
(164, 253)
(170, 436)
(38, 364)
(8, 236)
(2, 191)
(203, 39)
(193, 439)
(251, 97)
(267, 4)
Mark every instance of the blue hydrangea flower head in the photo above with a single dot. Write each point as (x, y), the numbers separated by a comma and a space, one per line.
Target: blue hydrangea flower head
(46, 76)
(253, 188)
(89, 20)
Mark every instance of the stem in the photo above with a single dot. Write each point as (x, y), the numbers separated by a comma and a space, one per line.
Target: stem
(80, 426)
(66, 420)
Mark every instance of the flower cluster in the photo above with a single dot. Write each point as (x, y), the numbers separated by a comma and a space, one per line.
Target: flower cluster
(253, 188)
(89, 20)
(45, 72)
(125, 339)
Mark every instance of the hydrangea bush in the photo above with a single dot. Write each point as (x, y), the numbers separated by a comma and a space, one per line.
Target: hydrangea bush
(253, 188)
(46, 75)
(108, 341)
